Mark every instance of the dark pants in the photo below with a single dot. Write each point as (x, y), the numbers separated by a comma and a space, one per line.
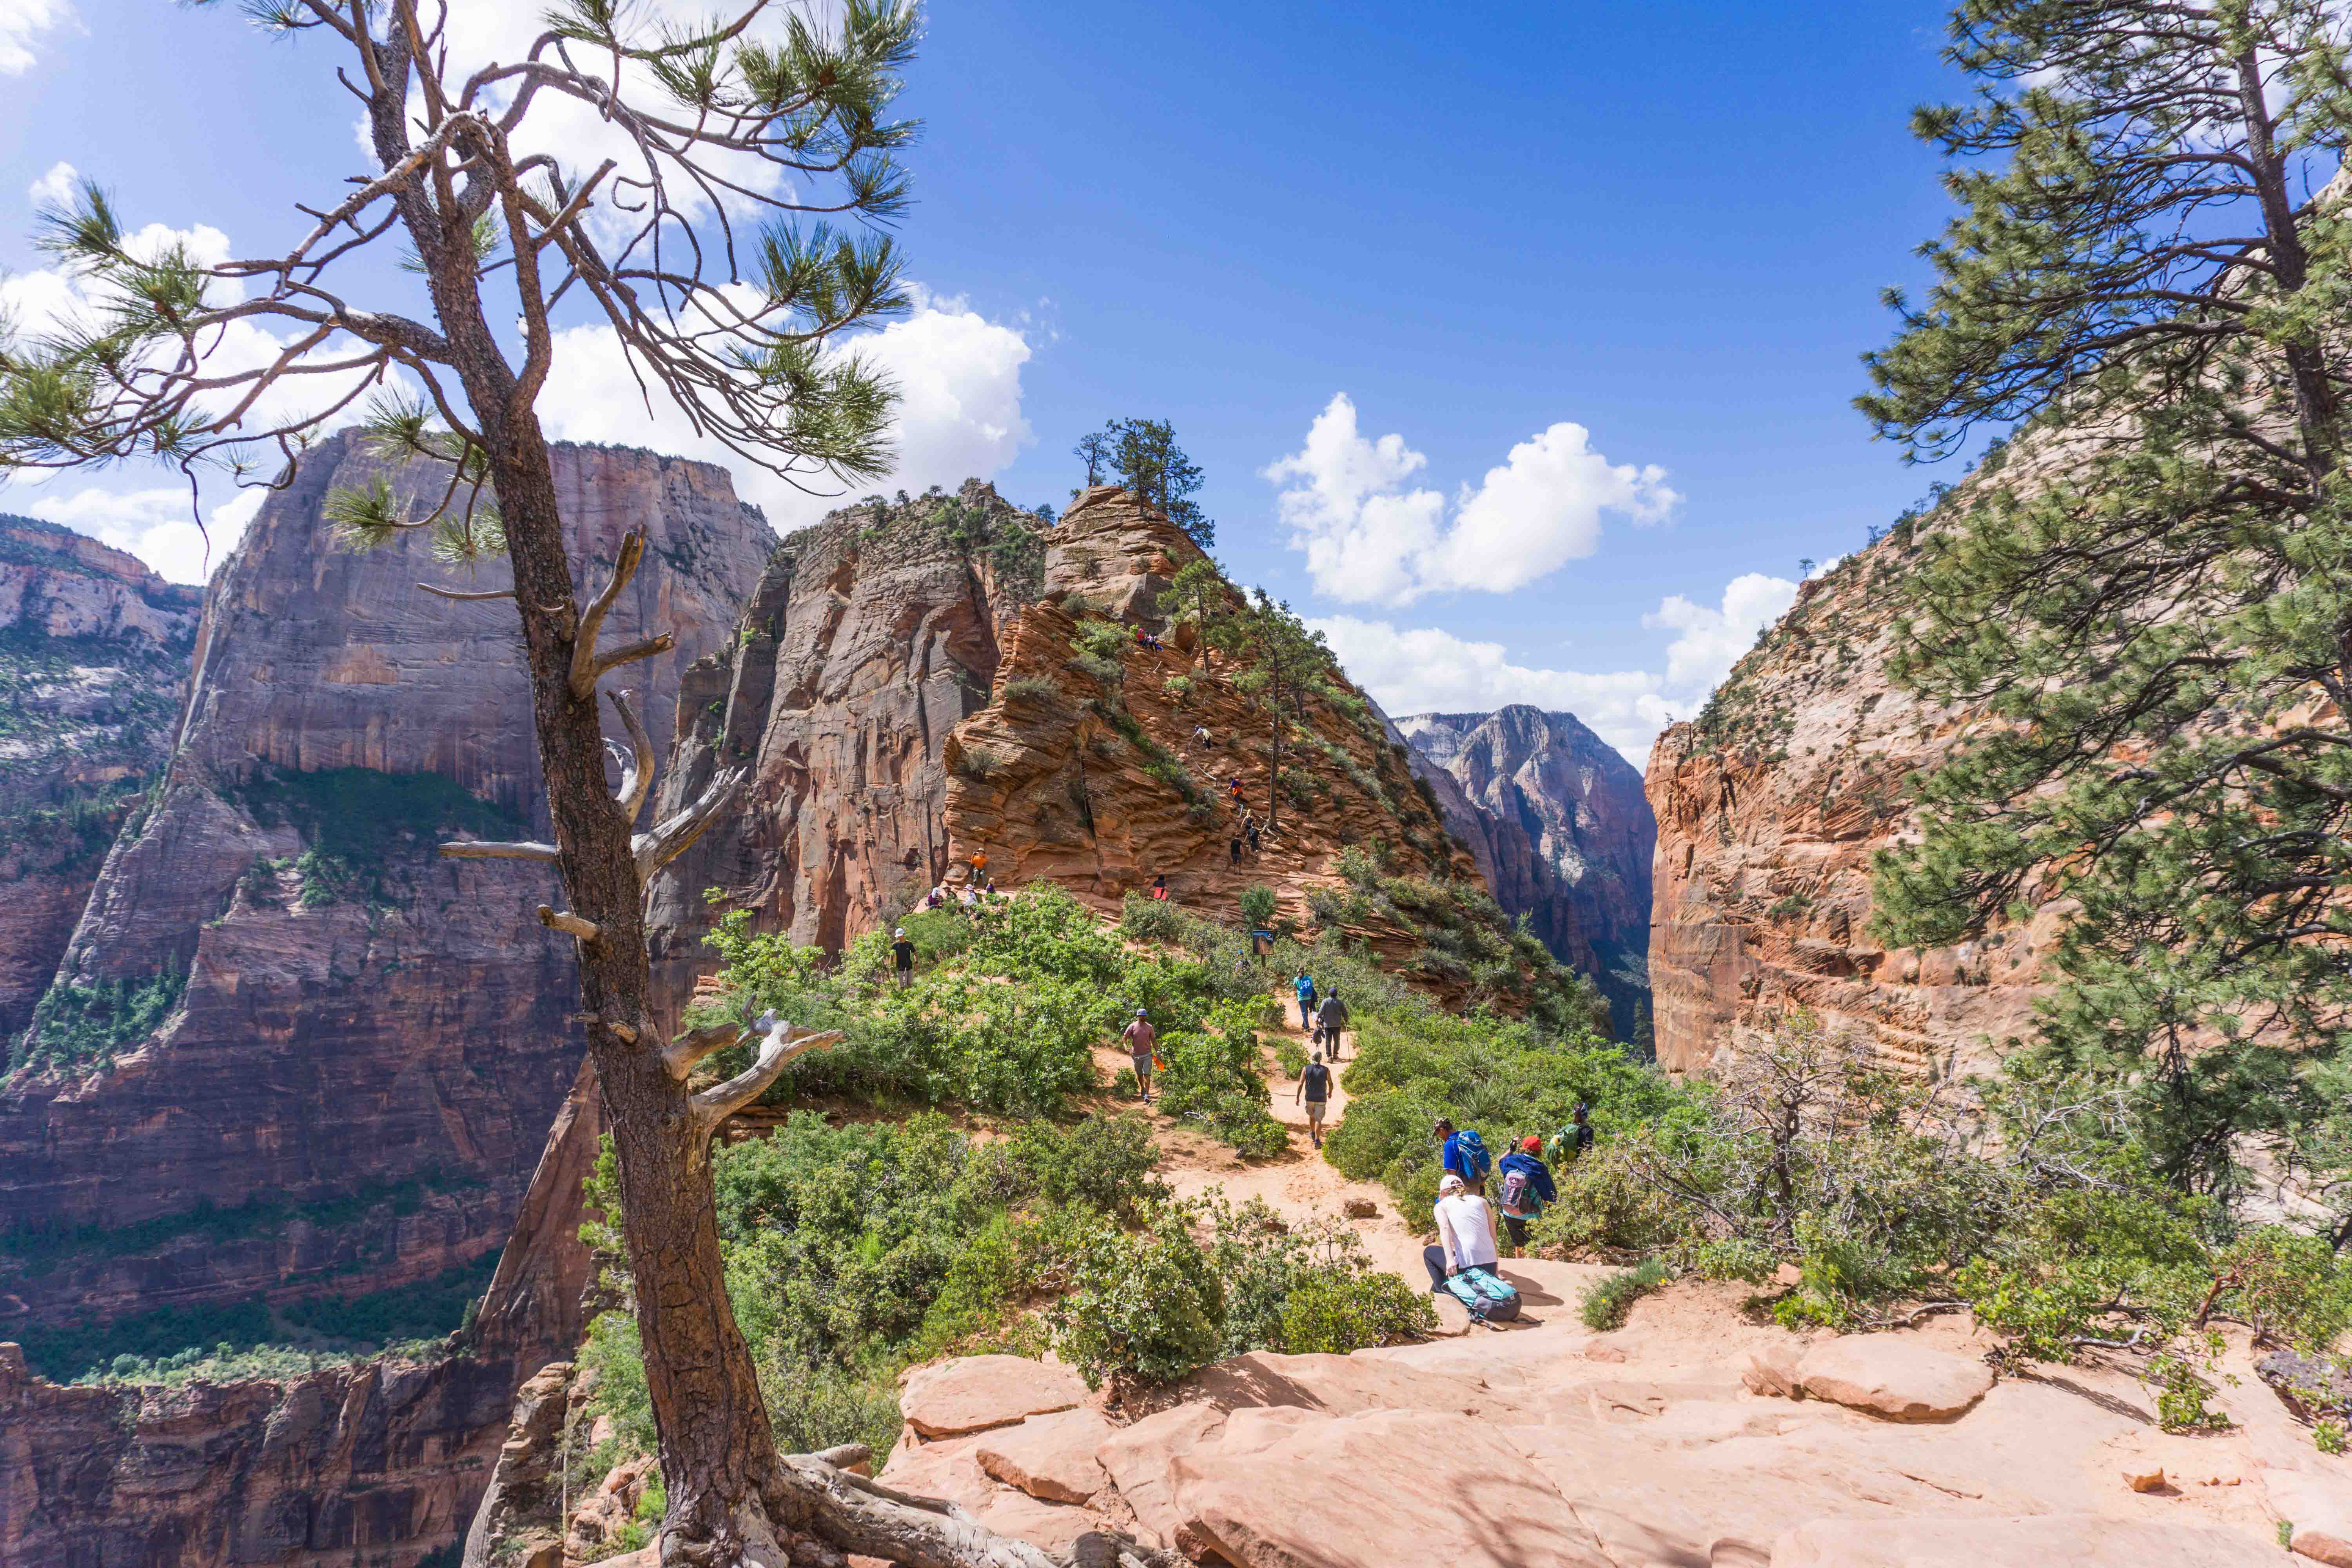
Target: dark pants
(906, 976)
(1517, 1226)
(1433, 1255)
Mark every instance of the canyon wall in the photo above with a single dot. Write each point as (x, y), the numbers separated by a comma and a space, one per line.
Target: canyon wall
(289, 1050)
(93, 648)
(1770, 807)
(1560, 825)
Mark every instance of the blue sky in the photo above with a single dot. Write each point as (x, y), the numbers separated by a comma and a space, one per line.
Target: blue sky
(1667, 225)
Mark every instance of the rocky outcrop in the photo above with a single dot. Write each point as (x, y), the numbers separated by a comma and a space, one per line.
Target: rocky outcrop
(93, 650)
(379, 1462)
(865, 640)
(1770, 807)
(331, 1057)
(1559, 825)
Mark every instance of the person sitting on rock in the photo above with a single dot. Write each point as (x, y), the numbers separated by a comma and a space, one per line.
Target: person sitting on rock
(1160, 886)
(1465, 1234)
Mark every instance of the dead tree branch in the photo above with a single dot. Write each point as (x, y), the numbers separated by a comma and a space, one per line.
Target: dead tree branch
(781, 1046)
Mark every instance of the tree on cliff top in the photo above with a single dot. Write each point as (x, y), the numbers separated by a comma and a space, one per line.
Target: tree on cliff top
(701, 243)
(1144, 457)
(2151, 592)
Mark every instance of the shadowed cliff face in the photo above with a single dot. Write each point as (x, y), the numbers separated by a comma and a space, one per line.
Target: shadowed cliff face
(93, 649)
(1561, 829)
(1769, 808)
(297, 1048)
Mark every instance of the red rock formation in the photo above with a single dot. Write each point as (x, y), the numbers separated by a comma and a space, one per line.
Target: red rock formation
(1561, 830)
(349, 1029)
(92, 648)
(1769, 808)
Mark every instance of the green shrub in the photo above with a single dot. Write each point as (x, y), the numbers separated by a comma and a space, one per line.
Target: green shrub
(79, 1025)
(1334, 1314)
(1259, 905)
(1291, 1056)
(1606, 1301)
(1105, 1161)
(1147, 1309)
(1032, 688)
(1147, 919)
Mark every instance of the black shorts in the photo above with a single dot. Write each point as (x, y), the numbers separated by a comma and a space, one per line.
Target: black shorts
(1517, 1226)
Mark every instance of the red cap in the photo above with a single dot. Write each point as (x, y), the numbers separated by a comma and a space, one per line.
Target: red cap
(1531, 1143)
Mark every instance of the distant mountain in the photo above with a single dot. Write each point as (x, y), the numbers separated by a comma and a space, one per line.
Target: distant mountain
(1558, 823)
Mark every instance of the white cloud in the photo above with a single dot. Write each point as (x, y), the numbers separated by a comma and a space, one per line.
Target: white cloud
(1425, 670)
(22, 21)
(155, 525)
(1369, 540)
(959, 377)
(57, 188)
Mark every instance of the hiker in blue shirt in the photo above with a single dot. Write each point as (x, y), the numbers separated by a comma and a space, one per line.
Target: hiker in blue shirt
(1464, 1155)
(1305, 988)
(1526, 1187)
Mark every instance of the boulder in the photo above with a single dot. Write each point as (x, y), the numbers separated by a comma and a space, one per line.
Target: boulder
(2077, 1540)
(2319, 1506)
(972, 1394)
(1362, 1208)
(943, 1469)
(2151, 1480)
(1049, 1457)
(1899, 1379)
(1140, 1458)
(1772, 1369)
(1374, 1490)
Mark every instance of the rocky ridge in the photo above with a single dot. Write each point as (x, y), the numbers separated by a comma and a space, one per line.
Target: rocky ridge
(329, 1056)
(1559, 825)
(1769, 808)
(93, 649)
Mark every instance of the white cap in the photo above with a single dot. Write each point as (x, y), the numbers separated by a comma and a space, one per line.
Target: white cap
(900, 931)
(1452, 1184)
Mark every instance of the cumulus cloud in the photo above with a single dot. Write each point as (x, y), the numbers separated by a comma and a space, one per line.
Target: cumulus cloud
(1369, 539)
(22, 22)
(155, 525)
(959, 377)
(1425, 670)
(57, 188)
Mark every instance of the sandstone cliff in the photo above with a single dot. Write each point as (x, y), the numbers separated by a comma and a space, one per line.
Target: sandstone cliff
(290, 1050)
(1562, 831)
(1770, 807)
(93, 648)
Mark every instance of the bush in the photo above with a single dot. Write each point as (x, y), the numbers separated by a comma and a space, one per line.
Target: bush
(1258, 906)
(1105, 1161)
(1147, 1309)
(1031, 689)
(1606, 1301)
(1147, 919)
(1334, 1314)
(1291, 1056)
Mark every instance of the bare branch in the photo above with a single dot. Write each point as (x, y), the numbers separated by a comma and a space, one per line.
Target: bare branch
(637, 765)
(556, 919)
(670, 839)
(680, 1055)
(783, 1044)
(492, 849)
(604, 664)
(454, 594)
(583, 643)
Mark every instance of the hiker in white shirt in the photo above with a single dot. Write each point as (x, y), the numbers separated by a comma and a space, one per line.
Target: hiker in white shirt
(1466, 1233)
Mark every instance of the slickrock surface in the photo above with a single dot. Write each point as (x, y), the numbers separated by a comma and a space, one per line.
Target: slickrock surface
(1561, 829)
(972, 1394)
(378, 1464)
(865, 641)
(370, 1027)
(93, 649)
(1542, 1443)
(1768, 812)
(1899, 1379)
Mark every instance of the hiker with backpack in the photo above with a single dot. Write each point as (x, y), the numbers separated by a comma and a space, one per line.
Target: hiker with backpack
(1464, 1155)
(1569, 1144)
(1315, 1089)
(1304, 987)
(1331, 1018)
(1526, 1188)
(1462, 1263)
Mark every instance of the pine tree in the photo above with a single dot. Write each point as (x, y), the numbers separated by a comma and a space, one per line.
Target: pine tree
(1143, 455)
(2146, 591)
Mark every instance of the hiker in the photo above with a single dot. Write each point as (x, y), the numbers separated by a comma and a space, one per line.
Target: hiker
(1466, 1233)
(1142, 1043)
(935, 896)
(1233, 789)
(1234, 850)
(1571, 1141)
(1249, 831)
(1304, 988)
(978, 863)
(1330, 1020)
(1201, 736)
(1464, 1155)
(1526, 1187)
(1160, 886)
(1315, 1089)
(966, 897)
(902, 957)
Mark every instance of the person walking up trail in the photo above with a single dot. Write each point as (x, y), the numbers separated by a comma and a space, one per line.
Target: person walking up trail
(1465, 1234)
(1526, 1188)
(1464, 1155)
(1315, 1090)
(1330, 1020)
(1571, 1142)
(1304, 988)
(1142, 1044)
(902, 957)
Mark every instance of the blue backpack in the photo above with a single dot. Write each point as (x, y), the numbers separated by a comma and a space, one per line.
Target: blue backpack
(1490, 1298)
(1471, 1150)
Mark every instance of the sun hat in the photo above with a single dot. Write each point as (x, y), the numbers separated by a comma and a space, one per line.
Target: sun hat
(1452, 1184)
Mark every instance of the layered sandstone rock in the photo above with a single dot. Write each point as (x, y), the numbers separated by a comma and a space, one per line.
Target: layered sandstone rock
(1769, 808)
(1562, 831)
(361, 1045)
(93, 649)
